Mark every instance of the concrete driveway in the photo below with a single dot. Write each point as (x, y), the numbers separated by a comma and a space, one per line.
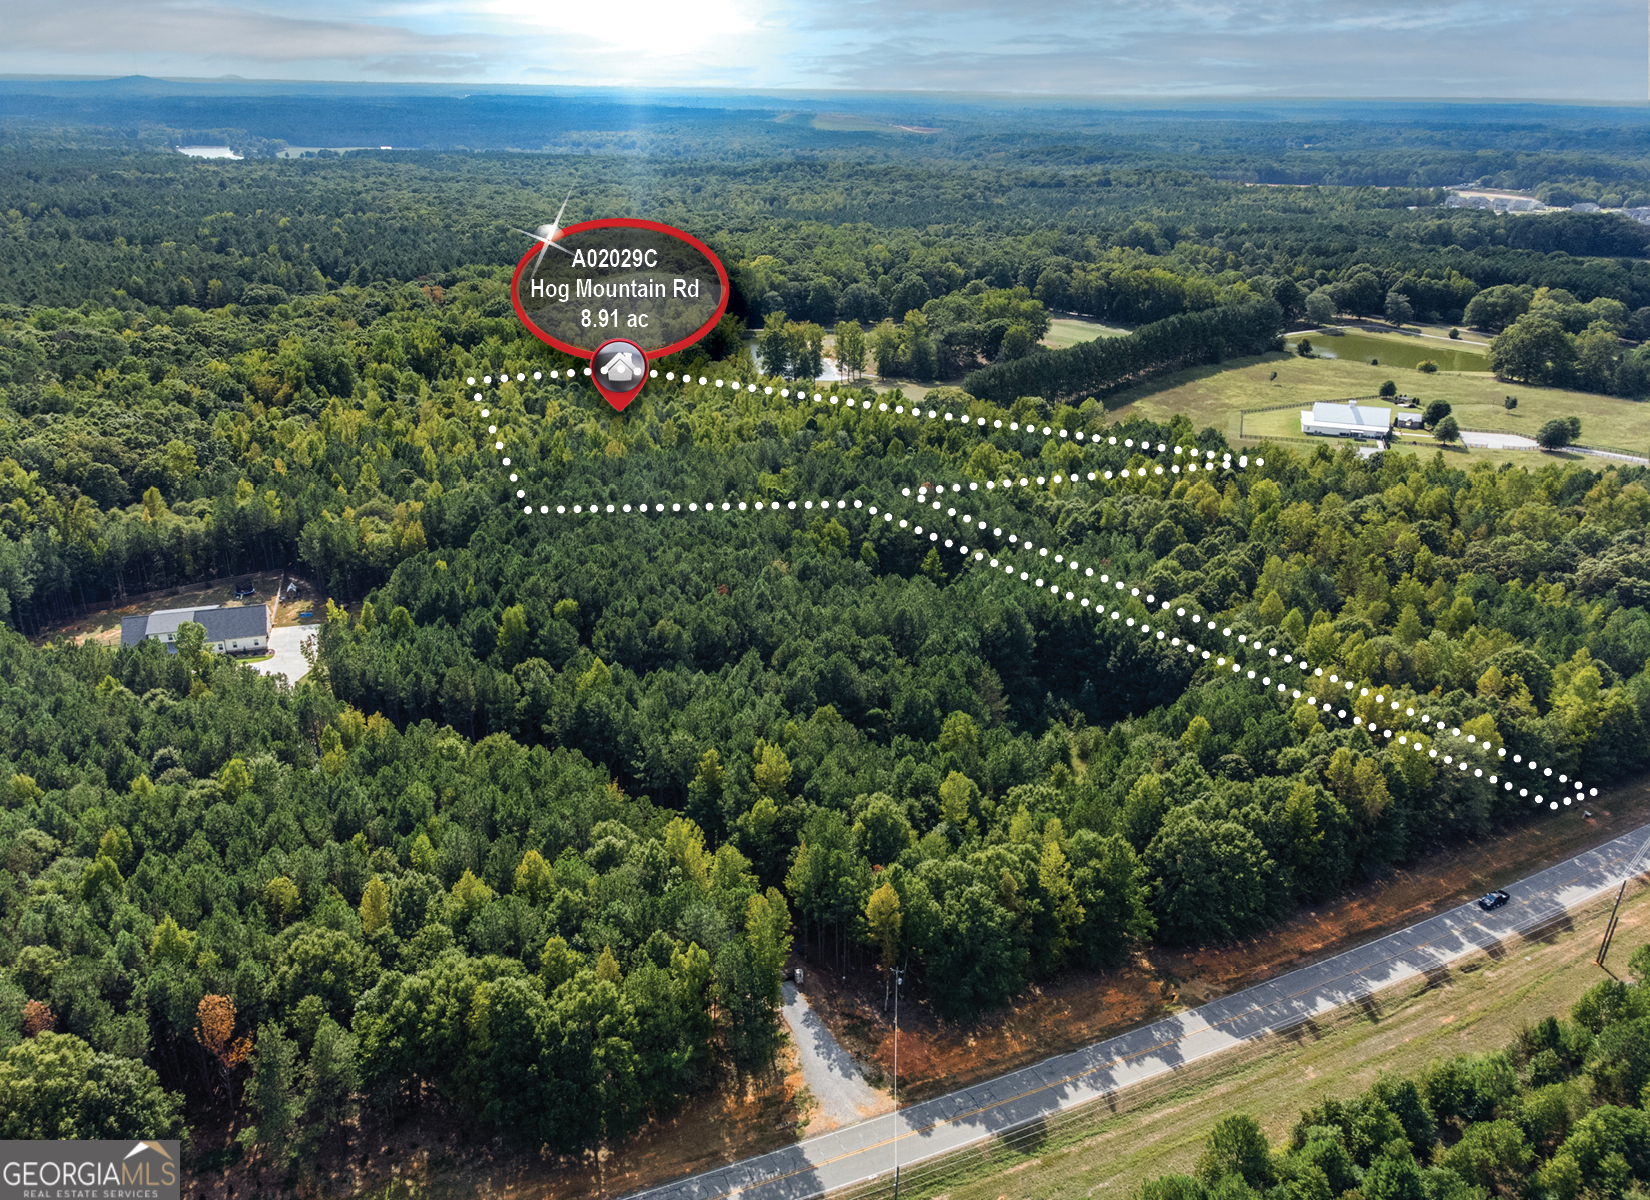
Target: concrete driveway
(1496, 441)
(284, 640)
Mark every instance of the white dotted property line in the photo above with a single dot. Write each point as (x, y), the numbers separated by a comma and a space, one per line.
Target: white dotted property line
(1288, 660)
(1145, 627)
(1205, 463)
(1025, 576)
(1581, 792)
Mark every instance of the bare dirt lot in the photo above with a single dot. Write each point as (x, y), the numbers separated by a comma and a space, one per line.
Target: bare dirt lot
(103, 624)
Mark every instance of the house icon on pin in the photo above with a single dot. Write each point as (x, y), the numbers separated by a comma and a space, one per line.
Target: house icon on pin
(621, 368)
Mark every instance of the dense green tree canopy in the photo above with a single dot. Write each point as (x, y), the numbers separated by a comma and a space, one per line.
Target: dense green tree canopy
(565, 791)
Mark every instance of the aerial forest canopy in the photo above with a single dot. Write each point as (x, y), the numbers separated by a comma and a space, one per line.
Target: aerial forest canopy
(563, 793)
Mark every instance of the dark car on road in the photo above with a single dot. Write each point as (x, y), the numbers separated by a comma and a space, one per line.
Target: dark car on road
(1492, 900)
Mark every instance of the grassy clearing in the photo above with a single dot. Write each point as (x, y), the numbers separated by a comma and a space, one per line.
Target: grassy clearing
(849, 123)
(1469, 337)
(1215, 395)
(1396, 350)
(1478, 1007)
(1064, 332)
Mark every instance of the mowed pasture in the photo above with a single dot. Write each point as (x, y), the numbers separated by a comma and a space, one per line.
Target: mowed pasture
(1067, 331)
(1216, 395)
(1396, 350)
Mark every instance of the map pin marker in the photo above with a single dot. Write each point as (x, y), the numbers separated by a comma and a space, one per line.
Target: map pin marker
(618, 369)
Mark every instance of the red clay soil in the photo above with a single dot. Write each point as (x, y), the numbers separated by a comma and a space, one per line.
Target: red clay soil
(441, 1154)
(936, 1056)
(103, 624)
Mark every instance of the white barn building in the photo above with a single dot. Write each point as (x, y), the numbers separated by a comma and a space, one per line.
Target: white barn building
(1346, 420)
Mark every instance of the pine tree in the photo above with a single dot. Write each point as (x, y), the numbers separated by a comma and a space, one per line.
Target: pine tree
(271, 1094)
(375, 907)
(558, 964)
(883, 920)
(534, 882)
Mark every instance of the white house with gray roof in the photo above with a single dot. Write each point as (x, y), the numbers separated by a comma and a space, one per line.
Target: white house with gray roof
(234, 630)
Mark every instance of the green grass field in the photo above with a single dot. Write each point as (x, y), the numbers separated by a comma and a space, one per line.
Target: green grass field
(1475, 1008)
(1396, 350)
(848, 123)
(1215, 396)
(1468, 337)
(1069, 331)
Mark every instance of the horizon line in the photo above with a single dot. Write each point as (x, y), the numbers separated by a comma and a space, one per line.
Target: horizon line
(1081, 97)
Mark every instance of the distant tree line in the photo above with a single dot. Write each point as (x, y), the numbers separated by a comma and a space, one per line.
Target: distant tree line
(1106, 364)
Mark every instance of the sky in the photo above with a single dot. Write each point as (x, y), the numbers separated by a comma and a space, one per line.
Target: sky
(1536, 49)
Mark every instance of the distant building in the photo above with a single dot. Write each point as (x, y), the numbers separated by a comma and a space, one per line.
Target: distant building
(1585, 206)
(208, 152)
(236, 630)
(1346, 420)
(1406, 418)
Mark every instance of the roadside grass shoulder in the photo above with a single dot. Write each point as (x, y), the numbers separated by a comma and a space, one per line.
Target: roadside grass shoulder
(1113, 1148)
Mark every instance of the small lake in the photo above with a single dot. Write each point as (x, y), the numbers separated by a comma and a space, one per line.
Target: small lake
(1393, 353)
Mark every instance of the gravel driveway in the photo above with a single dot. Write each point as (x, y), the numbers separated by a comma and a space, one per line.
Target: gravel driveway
(855, 1153)
(284, 641)
(829, 1071)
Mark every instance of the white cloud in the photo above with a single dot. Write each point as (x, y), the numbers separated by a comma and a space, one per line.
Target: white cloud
(645, 28)
(1546, 49)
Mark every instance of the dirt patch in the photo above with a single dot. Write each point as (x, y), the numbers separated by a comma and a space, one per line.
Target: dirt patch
(301, 596)
(937, 1056)
(103, 624)
(439, 1154)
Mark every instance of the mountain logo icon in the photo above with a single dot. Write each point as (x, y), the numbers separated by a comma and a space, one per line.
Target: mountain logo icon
(142, 1146)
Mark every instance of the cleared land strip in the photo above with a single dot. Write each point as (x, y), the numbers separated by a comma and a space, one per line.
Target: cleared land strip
(960, 1119)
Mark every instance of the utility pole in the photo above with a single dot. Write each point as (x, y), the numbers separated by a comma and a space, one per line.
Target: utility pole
(1610, 929)
(1627, 877)
(899, 978)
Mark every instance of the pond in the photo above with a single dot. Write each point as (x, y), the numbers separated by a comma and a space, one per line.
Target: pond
(1394, 353)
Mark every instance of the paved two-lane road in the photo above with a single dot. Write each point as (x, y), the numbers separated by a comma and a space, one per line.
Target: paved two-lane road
(860, 1152)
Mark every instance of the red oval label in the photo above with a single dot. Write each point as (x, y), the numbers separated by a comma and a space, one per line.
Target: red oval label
(655, 286)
